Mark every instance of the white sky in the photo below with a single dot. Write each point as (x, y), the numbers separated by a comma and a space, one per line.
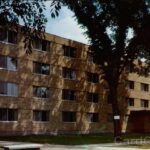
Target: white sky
(64, 25)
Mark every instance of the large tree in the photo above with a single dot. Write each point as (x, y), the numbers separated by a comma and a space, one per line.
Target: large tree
(108, 24)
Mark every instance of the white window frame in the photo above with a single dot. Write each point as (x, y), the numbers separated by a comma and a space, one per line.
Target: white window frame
(7, 60)
(68, 73)
(6, 41)
(10, 89)
(144, 87)
(40, 116)
(7, 115)
(39, 88)
(40, 66)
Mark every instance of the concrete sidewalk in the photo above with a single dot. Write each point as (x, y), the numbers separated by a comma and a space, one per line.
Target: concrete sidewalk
(83, 147)
(87, 147)
(110, 146)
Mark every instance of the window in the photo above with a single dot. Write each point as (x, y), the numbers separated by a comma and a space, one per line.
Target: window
(144, 103)
(68, 94)
(8, 36)
(92, 77)
(8, 89)
(68, 116)
(144, 87)
(8, 63)
(8, 114)
(40, 44)
(145, 71)
(41, 68)
(92, 97)
(130, 84)
(130, 101)
(69, 73)
(40, 115)
(41, 92)
(130, 68)
(92, 117)
(69, 51)
(90, 57)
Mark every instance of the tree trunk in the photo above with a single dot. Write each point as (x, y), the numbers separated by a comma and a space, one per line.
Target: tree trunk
(115, 110)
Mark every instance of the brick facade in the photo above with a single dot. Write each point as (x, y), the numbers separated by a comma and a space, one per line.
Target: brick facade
(25, 103)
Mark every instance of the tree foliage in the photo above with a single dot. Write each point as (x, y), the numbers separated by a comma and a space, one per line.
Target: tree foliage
(108, 23)
(29, 13)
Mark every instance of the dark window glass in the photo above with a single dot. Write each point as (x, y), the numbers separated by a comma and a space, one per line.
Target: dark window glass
(41, 68)
(130, 101)
(12, 37)
(68, 94)
(40, 44)
(8, 63)
(45, 45)
(12, 114)
(131, 84)
(92, 117)
(92, 97)
(145, 71)
(3, 35)
(144, 87)
(8, 36)
(68, 116)
(69, 73)
(131, 68)
(92, 77)
(144, 103)
(37, 44)
(39, 115)
(41, 92)
(8, 89)
(69, 51)
(8, 114)
(90, 57)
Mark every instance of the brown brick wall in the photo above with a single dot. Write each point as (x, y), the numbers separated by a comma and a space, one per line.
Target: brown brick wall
(26, 103)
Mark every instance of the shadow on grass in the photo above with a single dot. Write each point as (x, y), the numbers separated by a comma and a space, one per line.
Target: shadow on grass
(71, 139)
(62, 139)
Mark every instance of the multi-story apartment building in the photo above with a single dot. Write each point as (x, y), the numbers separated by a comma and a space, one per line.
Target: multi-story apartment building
(137, 115)
(58, 89)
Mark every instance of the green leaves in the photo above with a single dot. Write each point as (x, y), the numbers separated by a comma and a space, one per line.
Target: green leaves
(55, 8)
(30, 12)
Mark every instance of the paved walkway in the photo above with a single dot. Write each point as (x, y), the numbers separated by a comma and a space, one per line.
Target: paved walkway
(83, 147)
(80, 147)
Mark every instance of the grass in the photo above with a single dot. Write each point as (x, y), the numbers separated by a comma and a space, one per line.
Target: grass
(142, 146)
(137, 136)
(137, 141)
(62, 139)
(74, 139)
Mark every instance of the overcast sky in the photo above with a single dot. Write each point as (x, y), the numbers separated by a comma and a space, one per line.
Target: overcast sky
(65, 25)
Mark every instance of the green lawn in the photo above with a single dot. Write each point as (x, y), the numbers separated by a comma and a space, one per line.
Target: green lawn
(64, 140)
(72, 139)
(142, 146)
(136, 135)
(137, 141)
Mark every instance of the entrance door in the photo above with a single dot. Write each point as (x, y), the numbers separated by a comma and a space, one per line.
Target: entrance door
(139, 121)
